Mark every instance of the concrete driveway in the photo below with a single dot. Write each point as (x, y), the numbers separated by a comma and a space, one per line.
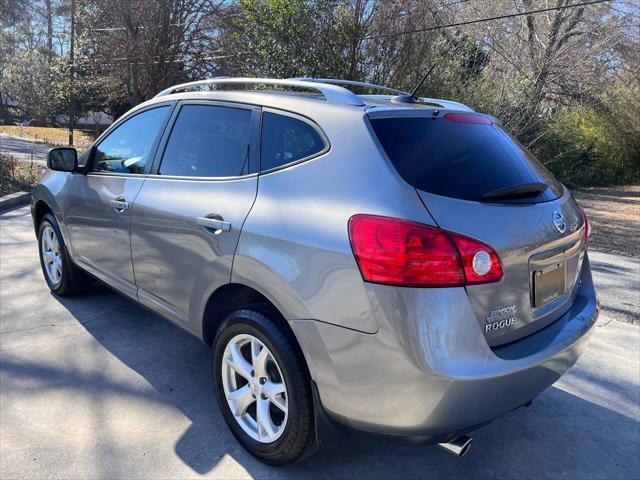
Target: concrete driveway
(96, 387)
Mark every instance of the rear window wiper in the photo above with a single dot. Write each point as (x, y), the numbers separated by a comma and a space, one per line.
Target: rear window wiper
(522, 190)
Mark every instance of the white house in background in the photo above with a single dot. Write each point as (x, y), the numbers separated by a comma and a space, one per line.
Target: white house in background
(90, 119)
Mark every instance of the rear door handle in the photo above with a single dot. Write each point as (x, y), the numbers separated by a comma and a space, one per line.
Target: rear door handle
(120, 205)
(216, 224)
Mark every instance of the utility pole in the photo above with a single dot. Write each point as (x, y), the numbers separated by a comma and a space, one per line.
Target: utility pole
(72, 70)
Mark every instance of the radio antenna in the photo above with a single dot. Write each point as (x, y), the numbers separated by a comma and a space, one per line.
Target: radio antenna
(415, 90)
(412, 98)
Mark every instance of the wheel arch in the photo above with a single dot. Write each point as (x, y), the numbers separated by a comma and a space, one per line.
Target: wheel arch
(40, 209)
(43, 201)
(234, 296)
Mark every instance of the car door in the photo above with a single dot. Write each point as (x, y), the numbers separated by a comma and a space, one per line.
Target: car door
(188, 214)
(98, 207)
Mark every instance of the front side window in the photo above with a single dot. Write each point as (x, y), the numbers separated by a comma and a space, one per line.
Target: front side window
(128, 147)
(286, 139)
(208, 141)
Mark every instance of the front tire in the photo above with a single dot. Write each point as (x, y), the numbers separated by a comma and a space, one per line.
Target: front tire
(62, 276)
(263, 388)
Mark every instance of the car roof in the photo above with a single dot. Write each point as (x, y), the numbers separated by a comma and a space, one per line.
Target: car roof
(327, 92)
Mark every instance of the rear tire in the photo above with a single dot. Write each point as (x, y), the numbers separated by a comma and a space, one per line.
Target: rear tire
(63, 277)
(288, 436)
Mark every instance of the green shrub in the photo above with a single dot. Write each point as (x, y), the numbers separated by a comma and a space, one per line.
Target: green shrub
(595, 145)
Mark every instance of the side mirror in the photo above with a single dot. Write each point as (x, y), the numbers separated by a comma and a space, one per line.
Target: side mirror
(63, 159)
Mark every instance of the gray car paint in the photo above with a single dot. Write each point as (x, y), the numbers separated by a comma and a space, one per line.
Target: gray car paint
(428, 373)
(99, 235)
(519, 233)
(176, 260)
(307, 230)
(386, 359)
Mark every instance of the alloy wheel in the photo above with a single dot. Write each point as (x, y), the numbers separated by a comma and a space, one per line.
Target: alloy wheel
(51, 255)
(255, 388)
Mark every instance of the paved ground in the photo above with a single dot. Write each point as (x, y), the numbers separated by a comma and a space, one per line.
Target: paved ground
(614, 215)
(618, 282)
(24, 149)
(96, 387)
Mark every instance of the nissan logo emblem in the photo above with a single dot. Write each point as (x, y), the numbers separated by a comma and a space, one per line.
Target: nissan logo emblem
(558, 221)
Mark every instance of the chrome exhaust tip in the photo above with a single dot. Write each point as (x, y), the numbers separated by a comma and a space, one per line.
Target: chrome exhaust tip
(458, 446)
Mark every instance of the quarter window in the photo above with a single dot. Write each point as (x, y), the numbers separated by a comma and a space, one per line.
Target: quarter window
(208, 141)
(128, 147)
(286, 139)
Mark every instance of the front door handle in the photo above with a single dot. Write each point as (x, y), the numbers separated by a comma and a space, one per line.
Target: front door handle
(216, 224)
(120, 205)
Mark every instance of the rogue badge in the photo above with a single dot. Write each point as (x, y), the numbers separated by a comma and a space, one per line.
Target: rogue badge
(501, 318)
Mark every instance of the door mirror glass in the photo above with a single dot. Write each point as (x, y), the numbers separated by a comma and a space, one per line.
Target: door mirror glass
(63, 159)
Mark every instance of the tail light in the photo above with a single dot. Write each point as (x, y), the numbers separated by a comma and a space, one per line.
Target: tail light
(400, 252)
(480, 262)
(587, 227)
(468, 118)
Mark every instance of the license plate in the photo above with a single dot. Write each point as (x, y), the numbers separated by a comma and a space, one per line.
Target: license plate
(548, 284)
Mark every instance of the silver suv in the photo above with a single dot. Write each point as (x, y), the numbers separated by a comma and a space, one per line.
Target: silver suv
(392, 264)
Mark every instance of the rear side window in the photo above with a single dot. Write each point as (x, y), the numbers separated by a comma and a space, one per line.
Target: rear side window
(286, 139)
(208, 141)
(462, 160)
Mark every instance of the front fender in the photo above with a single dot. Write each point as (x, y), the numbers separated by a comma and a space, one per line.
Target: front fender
(47, 192)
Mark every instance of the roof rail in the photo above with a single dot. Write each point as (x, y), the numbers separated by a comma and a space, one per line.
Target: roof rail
(336, 81)
(332, 93)
(442, 103)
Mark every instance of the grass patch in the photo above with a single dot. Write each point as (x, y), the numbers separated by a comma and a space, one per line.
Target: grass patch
(54, 136)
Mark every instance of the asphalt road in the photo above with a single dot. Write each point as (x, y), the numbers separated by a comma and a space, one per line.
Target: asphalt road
(96, 387)
(23, 149)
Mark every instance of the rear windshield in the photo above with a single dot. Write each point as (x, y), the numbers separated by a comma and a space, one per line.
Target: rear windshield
(468, 161)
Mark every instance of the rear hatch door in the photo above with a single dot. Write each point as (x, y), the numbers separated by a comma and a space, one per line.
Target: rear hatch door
(476, 180)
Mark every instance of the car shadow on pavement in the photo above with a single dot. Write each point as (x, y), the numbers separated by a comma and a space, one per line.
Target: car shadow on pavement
(606, 267)
(560, 435)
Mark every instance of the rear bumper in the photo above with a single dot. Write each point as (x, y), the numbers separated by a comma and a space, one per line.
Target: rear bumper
(430, 377)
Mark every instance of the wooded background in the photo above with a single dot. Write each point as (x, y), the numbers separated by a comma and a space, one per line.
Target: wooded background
(564, 78)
